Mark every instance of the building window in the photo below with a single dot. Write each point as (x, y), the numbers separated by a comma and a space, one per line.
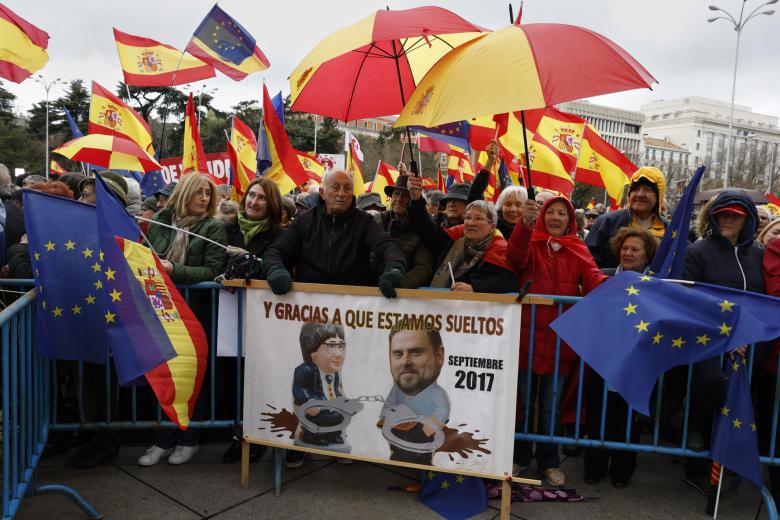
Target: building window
(698, 133)
(697, 147)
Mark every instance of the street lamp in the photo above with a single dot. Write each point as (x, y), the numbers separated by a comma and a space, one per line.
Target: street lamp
(47, 87)
(204, 91)
(738, 26)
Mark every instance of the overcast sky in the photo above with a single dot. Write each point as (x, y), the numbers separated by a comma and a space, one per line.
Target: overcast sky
(671, 38)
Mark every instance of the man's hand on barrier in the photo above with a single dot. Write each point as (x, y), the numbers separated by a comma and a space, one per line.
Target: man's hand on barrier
(742, 351)
(280, 281)
(391, 280)
(462, 287)
(313, 411)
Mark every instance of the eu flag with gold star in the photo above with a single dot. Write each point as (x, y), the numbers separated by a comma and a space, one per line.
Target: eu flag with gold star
(649, 325)
(64, 254)
(455, 497)
(670, 257)
(734, 438)
(138, 341)
(456, 133)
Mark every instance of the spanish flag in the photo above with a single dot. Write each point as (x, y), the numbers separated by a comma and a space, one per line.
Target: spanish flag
(223, 43)
(313, 168)
(354, 166)
(601, 164)
(386, 175)
(563, 131)
(56, 168)
(110, 115)
(22, 47)
(244, 144)
(149, 63)
(285, 170)
(591, 204)
(177, 382)
(193, 156)
(458, 166)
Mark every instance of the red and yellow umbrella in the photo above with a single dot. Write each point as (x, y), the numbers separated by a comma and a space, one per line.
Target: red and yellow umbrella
(109, 151)
(521, 67)
(370, 68)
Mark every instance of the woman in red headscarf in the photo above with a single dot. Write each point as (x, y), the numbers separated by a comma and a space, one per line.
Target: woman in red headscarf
(547, 252)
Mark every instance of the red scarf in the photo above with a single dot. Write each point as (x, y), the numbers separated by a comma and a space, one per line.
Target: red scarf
(570, 240)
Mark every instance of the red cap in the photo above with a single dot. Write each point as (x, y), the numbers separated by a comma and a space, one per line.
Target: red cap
(734, 208)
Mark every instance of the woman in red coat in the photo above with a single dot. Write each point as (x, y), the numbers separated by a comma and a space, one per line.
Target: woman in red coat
(547, 251)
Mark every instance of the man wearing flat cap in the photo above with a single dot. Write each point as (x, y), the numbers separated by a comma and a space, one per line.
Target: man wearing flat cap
(419, 259)
(645, 197)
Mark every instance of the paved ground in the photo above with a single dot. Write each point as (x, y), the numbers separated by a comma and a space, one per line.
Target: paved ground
(207, 489)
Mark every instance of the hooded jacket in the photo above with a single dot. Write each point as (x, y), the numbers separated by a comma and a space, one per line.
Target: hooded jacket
(569, 271)
(332, 249)
(610, 222)
(713, 259)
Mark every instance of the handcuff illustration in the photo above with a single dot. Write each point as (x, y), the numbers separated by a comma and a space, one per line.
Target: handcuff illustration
(392, 417)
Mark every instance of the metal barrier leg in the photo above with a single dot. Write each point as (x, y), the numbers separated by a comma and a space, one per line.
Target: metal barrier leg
(277, 472)
(76, 498)
(771, 508)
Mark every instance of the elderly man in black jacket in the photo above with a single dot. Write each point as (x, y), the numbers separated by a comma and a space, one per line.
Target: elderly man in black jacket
(332, 242)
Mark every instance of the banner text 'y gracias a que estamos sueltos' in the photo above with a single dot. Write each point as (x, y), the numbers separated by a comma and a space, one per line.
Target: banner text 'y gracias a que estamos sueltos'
(423, 381)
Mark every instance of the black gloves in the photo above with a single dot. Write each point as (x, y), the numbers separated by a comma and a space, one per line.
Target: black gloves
(280, 281)
(391, 279)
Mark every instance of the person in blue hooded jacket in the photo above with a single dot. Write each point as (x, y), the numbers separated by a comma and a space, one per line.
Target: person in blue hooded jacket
(726, 254)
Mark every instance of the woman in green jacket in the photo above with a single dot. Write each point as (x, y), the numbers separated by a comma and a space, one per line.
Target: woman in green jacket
(188, 259)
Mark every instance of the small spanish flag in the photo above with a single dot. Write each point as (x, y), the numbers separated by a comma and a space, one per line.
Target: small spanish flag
(244, 145)
(22, 47)
(56, 168)
(285, 170)
(109, 115)
(193, 156)
(354, 166)
(601, 164)
(386, 175)
(313, 168)
(149, 63)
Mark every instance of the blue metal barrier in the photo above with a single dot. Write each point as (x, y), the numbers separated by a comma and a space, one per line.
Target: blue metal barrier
(657, 445)
(27, 390)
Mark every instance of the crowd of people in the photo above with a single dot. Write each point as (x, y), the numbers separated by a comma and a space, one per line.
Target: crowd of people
(461, 242)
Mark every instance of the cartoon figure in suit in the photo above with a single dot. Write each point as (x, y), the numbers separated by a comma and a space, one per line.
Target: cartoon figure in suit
(318, 379)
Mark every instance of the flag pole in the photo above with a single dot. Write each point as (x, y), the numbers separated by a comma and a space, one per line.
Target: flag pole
(157, 223)
(529, 184)
(717, 495)
(165, 115)
(412, 163)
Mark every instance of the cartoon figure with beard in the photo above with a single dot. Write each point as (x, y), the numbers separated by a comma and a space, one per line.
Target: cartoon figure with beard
(416, 359)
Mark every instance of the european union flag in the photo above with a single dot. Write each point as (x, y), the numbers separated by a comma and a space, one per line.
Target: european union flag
(734, 439)
(456, 133)
(455, 497)
(225, 36)
(66, 262)
(151, 182)
(263, 153)
(503, 175)
(655, 325)
(138, 341)
(670, 257)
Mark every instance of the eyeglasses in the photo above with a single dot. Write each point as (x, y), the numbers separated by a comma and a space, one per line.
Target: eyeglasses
(335, 346)
(475, 219)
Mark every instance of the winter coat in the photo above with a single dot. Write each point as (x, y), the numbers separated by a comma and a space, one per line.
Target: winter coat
(492, 275)
(476, 192)
(569, 271)
(259, 242)
(419, 259)
(332, 249)
(714, 260)
(204, 260)
(772, 281)
(609, 223)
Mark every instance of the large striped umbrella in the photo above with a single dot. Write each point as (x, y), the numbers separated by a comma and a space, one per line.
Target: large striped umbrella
(109, 151)
(521, 67)
(370, 68)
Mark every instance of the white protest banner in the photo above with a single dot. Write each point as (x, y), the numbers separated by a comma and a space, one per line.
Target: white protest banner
(227, 324)
(429, 380)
